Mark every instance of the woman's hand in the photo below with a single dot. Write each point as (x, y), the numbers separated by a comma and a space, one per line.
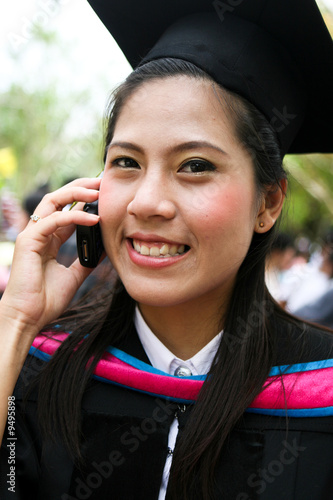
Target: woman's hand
(39, 288)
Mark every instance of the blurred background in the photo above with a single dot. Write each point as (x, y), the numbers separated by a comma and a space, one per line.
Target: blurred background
(58, 66)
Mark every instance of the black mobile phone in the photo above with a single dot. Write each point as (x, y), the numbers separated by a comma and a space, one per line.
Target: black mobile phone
(89, 240)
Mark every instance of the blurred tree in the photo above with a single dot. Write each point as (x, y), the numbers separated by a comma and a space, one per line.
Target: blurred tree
(309, 206)
(45, 130)
(34, 125)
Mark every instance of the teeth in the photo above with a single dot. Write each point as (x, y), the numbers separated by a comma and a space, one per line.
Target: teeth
(154, 251)
(173, 250)
(165, 251)
(144, 250)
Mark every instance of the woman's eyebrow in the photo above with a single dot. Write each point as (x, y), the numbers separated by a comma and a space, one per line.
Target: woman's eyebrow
(198, 144)
(179, 147)
(126, 145)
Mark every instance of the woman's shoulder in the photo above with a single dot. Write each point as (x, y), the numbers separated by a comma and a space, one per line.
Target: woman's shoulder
(40, 353)
(301, 342)
(300, 381)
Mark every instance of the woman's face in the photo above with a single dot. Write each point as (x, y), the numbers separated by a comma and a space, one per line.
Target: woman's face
(178, 202)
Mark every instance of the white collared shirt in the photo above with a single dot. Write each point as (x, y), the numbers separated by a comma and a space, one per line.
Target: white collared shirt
(163, 359)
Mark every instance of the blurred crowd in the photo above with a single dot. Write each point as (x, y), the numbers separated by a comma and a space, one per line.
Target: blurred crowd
(299, 273)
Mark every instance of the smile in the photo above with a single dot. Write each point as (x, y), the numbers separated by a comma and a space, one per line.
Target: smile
(159, 250)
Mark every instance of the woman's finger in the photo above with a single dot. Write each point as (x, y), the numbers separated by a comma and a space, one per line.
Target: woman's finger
(68, 194)
(46, 226)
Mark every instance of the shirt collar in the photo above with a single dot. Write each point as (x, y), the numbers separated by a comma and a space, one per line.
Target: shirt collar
(163, 359)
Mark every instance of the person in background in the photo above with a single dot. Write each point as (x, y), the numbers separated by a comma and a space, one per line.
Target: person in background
(14, 218)
(279, 260)
(312, 281)
(320, 309)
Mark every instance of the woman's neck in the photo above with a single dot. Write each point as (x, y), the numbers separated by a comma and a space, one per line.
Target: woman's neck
(185, 328)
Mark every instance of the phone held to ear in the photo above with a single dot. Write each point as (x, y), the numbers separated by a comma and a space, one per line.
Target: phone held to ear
(89, 240)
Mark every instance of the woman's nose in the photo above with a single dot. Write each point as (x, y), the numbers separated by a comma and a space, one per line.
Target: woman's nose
(153, 198)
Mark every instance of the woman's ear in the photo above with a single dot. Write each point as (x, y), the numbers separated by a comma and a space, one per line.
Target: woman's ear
(270, 207)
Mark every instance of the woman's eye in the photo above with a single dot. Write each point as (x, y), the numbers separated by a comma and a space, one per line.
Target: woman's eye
(197, 167)
(125, 163)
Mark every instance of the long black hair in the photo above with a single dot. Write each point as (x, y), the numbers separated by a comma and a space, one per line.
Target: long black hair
(247, 350)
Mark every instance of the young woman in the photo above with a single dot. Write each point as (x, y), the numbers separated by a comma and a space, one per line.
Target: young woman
(188, 380)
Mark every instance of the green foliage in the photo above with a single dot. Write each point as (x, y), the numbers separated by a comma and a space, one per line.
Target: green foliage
(51, 130)
(35, 125)
(309, 206)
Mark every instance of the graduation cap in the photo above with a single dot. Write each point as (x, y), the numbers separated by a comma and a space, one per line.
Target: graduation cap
(278, 54)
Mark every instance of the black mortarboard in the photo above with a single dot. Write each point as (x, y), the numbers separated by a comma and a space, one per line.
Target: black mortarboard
(278, 54)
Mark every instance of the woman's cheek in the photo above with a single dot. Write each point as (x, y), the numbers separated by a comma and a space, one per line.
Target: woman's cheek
(225, 221)
(112, 202)
(211, 209)
(202, 199)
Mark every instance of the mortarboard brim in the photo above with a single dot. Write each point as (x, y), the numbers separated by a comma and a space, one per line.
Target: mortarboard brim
(278, 54)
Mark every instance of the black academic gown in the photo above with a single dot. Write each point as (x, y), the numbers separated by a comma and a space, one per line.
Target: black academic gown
(126, 438)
